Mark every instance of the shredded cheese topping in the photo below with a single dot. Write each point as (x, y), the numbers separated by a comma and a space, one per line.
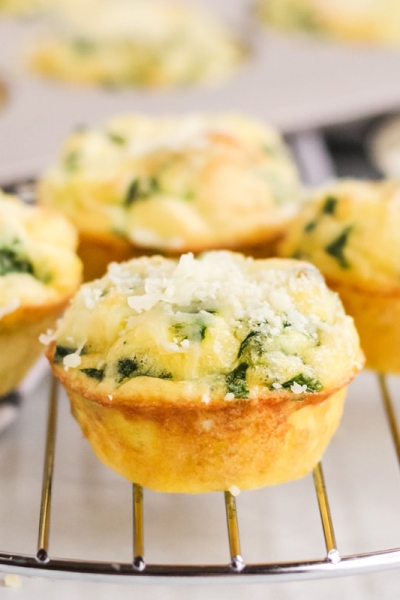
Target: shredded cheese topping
(230, 324)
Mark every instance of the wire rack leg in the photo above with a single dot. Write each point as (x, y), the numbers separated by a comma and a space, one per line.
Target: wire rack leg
(48, 469)
(390, 413)
(138, 537)
(326, 519)
(237, 562)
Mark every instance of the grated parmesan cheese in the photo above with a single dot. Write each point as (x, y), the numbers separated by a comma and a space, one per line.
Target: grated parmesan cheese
(73, 360)
(91, 296)
(173, 347)
(296, 388)
(46, 338)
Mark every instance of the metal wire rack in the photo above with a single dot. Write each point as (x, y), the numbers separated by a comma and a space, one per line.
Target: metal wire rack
(331, 565)
(316, 165)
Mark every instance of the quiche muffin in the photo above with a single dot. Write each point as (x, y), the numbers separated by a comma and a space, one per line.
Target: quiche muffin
(372, 21)
(39, 272)
(200, 374)
(142, 184)
(350, 231)
(135, 43)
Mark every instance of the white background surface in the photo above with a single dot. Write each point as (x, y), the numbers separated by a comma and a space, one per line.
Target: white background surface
(91, 514)
(293, 84)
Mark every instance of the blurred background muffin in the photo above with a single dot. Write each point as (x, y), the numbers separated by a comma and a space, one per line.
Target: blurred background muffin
(375, 21)
(39, 272)
(20, 7)
(141, 184)
(135, 43)
(382, 146)
(350, 231)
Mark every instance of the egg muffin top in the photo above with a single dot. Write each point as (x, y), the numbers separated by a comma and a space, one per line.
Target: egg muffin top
(364, 21)
(134, 43)
(38, 264)
(180, 183)
(219, 327)
(350, 230)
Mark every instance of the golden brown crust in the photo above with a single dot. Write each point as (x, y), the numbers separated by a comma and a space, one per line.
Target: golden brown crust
(185, 397)
(98, 252)
(19, 340)
(377, 319)
(247, 444)
(192, 447)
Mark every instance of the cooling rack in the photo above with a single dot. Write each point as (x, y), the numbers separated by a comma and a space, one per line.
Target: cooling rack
(332, 562)
(236, 568)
